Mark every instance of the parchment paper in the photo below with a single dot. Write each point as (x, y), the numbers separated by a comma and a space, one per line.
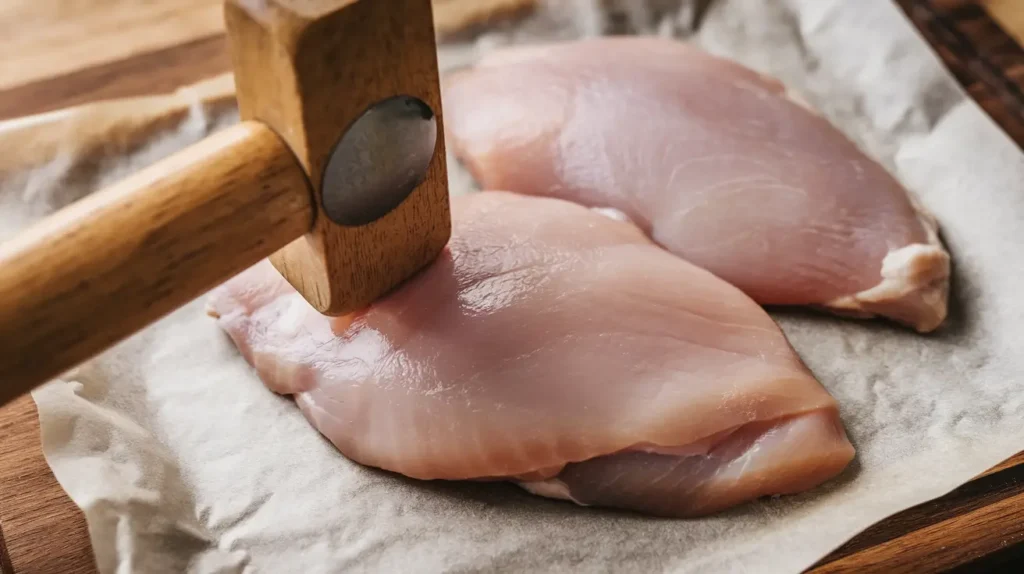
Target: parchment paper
(182, 461)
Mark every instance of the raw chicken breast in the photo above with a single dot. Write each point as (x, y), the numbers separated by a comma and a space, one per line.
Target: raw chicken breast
(558, 348)
(718, 164)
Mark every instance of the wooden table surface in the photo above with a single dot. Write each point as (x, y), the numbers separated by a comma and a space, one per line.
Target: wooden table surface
(59, 53)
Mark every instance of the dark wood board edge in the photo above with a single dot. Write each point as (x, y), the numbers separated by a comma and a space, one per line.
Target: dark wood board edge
(5, 559)
(907, 528)
(44, 531)
(1006, 560)
(68, 547)
(983, 57)
(989, 64)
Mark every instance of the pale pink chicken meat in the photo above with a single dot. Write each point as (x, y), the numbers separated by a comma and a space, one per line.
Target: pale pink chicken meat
(557, 348)
(720, 165)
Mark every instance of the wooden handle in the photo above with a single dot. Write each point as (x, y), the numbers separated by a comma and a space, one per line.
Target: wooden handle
(99, 270)
(309, 69)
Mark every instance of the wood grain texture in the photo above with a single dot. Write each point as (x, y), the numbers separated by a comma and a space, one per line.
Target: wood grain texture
(5, 558)
(929, 524)
(1008, 14)
(47, 534)
(286, 56)
(983, 57)
(126, 48)
(1011, 462)
(931, 549)
(127, 255)
(984, 517)
(144, 74)
(50, 38)
(43, 532)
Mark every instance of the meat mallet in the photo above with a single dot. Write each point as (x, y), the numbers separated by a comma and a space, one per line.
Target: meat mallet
(336, 172)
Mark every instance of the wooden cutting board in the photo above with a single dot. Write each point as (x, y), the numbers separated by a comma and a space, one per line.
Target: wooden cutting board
(59, 53)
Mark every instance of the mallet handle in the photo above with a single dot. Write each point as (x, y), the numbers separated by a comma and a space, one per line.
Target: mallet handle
(101, 269)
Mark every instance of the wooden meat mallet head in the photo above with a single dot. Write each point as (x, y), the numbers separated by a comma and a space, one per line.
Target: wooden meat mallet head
(336, 172)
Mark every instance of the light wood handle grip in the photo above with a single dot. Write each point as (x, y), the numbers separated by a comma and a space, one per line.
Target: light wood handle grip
(104, 267)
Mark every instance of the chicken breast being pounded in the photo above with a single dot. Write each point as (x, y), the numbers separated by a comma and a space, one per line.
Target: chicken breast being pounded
(558, 348)
(718, 164)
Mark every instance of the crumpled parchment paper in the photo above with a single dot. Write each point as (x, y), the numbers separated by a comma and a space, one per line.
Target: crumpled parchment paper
(182, 461)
